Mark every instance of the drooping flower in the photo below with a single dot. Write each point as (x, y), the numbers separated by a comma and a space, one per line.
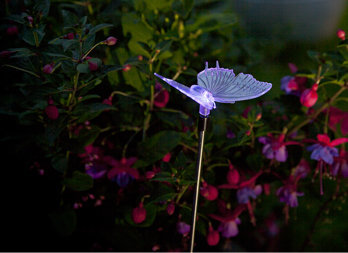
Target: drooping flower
(245, 193)
(293, 85)
(229, 220)
(139, 214)
(213, 236)
(287, 194)
(324, 149)
(309, 96)
(275, 147)
(122, 172)
(183, 228)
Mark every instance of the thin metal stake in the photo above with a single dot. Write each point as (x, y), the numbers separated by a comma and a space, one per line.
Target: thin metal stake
(202, 124)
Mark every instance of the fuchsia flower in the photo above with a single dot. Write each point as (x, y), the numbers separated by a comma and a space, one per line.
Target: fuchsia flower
(275, 147)
(247, 192)
(302, 169)
(183, 228)
(209, 191)
(213, 236)
(324, 149)
(232, 175)
(166, 157)
(171, 208)
(122, 172)
(229, 220)
(293, 85)
(69, 36)
(107, 101)
(93, 66)
(51, 110)
(95, 165)
(288, 193)
(139, 214)
(309, 96)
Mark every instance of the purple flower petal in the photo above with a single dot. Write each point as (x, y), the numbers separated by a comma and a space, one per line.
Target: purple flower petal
(268, 151)
(281, 154)
(326, 155)
(228, 229)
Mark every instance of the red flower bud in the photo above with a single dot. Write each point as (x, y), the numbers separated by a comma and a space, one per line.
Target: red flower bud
(12, 30)
(150, 174)
(140, 57)
(127, 67)
(93, 66)
(48, 68)
(139, 214)
(309, 96)
(5, 53)
(52, 112)
(170, 208)
(166, 157)
(209, 192)
(213, 237)
(341, 34)
(233, 176)
(110, 41)
(70, 36)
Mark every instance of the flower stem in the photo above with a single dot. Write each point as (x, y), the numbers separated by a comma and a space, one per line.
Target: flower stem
(24, 70)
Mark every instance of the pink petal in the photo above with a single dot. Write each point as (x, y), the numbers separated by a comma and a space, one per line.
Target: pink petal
(324, 138)
(338, 141)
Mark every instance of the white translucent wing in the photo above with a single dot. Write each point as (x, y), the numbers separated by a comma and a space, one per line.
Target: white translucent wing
(188, 92)
(228, 88)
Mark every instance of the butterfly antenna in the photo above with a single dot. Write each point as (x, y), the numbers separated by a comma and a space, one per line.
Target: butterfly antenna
(217, 64)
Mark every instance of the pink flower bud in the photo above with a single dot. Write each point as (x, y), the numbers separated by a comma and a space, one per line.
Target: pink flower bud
(341, 34)
(150, 174)
(209, 192)
(166, 157)
(233, 176)
(309, 96)
(70, 36)
(30, 19)
(51, 110)
(93, 66)
(258, 116)
(213, 237)
(267, 189)
(139, 214)
(110, 41)
(48, 68)
(140, 57)
(161, 99)
(12, 30)
(293, 68)
(170, 208)
(127, 67)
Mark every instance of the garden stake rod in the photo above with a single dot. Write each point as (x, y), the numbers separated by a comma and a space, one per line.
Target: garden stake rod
(202, 125)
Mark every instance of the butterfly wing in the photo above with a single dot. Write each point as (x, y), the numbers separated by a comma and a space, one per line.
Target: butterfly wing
(188, 92)
(228, 88)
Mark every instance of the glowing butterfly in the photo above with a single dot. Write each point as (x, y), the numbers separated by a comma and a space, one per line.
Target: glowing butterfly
(220, 85)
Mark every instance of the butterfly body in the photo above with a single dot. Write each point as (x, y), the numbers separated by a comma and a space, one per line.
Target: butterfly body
(220, 85)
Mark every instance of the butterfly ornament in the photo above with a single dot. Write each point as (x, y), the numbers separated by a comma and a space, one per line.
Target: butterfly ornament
(220, 85)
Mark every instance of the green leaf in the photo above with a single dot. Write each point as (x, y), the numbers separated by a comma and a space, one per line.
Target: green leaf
(82, 68)
(90, 111)
(211, 22)
(155, 147)
(64, 223)
(42, 7)
(99, 27)
(132, 24)
(69, 18)
(343, 49)
(21, 52)
(158, 4)
(79, 181)
(60, 163)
